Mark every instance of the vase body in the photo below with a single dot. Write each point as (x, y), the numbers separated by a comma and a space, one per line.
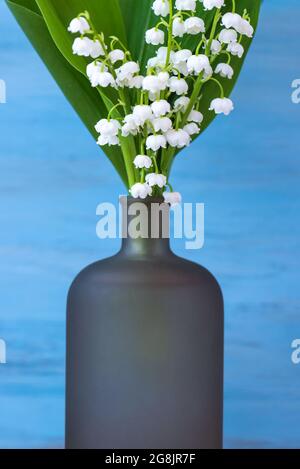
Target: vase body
(144, 352)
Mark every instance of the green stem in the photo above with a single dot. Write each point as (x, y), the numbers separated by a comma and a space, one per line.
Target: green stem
(128, 145)
(199, 45)
(128, 151)
(170, 187)
(170, 34)
(142, 146)
(221, 53)
(113, 109)
(233, 6)
(116, 39)
(219, 85)
(155, 164)
(195, 94)
(213, 32)
(167, 160)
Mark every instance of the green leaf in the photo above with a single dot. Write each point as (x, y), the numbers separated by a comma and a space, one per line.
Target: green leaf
(210, 90)
(138, 17)
(106, 16)
(85, 100)
(58, 14)
(129, 20)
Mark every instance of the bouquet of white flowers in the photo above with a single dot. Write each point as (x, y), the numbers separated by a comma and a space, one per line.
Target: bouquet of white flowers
(160, 71)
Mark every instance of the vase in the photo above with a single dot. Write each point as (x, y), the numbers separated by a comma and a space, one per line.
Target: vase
(144, 347)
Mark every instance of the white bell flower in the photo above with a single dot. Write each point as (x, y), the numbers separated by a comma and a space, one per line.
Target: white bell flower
(159, 84)
(225, 70)
(191, 128)
(179, 60)
(160, 60)
(108, 130)
(172, 198)
(93, 70)
(142, 161)
(197, 64)
(155, 36)
(236, 49)
(125, 73)
(85, 47)
(215, 47)
(154, 179)
(185, 5)
(178, 27)
(155, 142)
(162, 124)
(178, 86)
(181, 56)
(152, 63)
(79, 25)
(194, 25)
(96, 50)
(136, 82)
(245, 28)
(210, 4)
(227, 36)
(142, 113)
(128, 69)
(116, 55)
(109, 140)
(103, 79)
(222, 106)
(181, 104)
(160, 108)
(195, 116)
(108, 127)
(161, 8)
(181, 69)
(162, 54)
(164, 79)
(140, 191)
(231, 20)
(94, 67)
(128, 130)
(241, 25)
(156, 83)
(129, 127)
(152, 84)
(178, 138)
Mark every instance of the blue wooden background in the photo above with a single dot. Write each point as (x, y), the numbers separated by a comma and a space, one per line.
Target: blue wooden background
(245, 169)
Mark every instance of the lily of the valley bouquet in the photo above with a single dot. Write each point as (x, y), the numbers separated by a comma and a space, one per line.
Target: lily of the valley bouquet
(157, 72)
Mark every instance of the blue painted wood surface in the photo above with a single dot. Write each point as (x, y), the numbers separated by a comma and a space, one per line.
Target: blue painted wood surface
(245, 169)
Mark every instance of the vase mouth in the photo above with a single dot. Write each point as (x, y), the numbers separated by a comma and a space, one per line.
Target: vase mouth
(145, 226)
(147, 201)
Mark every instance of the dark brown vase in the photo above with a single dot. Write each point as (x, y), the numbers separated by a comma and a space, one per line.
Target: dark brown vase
(144, 351)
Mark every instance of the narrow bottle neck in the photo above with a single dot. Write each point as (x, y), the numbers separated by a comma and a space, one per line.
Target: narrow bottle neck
(145, 227)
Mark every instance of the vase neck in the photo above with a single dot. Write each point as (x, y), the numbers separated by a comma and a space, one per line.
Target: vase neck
(145, 227)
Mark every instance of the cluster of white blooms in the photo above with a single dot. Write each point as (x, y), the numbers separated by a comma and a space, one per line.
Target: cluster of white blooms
(159, 107)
